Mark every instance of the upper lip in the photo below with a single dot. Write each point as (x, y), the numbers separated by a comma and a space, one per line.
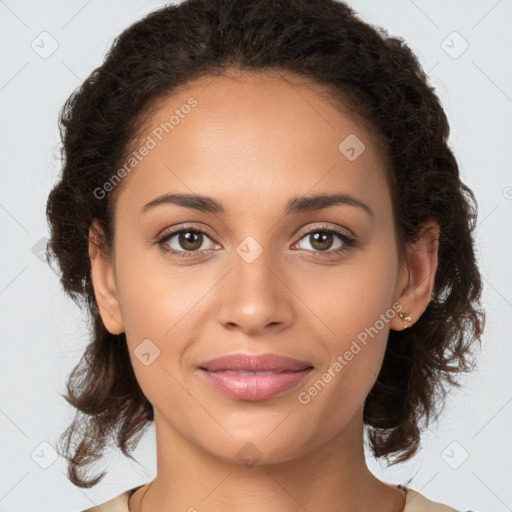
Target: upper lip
(254, 363)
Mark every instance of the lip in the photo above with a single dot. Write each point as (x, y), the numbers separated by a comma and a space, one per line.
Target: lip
(254, 363)
(282, 373)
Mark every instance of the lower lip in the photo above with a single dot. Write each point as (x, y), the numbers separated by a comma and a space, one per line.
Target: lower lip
(254, 387)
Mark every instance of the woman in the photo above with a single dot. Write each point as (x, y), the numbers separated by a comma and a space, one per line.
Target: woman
(261, 212)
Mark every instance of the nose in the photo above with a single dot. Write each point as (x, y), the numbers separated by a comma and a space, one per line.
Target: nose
(256, 296)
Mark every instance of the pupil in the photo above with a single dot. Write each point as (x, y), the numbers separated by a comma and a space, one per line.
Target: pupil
(187, 239)
(322, 239)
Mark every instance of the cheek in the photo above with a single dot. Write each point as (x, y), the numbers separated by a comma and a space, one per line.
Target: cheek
(350, 298)
(353, 312)
(155, 295)
(354, 360)
(161, 306)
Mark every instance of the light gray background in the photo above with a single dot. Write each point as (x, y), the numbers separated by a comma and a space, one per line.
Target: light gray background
(44, 334)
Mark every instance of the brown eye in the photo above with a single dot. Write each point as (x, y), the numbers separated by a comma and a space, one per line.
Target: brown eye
(321, 240)
(190, 240)
(186, 242)
(326, 240)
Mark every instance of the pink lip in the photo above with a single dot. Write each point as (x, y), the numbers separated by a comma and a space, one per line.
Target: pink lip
(287, 373)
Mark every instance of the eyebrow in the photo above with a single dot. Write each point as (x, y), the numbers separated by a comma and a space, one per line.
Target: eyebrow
(299, 204)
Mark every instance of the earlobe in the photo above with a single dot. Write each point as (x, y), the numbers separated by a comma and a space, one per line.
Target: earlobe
(103, 280)
(422, 260)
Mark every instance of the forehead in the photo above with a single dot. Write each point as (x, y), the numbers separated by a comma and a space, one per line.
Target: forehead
(254, 136)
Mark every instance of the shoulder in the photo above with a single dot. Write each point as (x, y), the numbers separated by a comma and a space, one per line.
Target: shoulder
(117, 504)
(416, 502)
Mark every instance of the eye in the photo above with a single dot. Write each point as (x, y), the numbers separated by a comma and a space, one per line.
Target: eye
(188, 241)
(184, 242)
(322, 239)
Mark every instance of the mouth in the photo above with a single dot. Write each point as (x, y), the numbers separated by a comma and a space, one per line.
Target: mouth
(254, 378)
(241, 372)
(254, 363)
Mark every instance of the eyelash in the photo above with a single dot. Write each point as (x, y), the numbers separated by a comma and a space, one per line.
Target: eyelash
(348, 241)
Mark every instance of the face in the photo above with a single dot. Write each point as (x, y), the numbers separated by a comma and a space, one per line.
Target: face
(255, 268)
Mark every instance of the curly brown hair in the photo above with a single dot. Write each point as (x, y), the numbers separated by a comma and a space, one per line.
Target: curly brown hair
(379, 79)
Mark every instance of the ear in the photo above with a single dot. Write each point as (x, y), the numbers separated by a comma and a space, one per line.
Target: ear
(417, 275)
(103, 280)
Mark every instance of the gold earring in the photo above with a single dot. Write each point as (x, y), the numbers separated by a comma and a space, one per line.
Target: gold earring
(406, 317)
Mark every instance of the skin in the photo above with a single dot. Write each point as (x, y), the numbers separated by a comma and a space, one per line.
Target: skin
(252, 143)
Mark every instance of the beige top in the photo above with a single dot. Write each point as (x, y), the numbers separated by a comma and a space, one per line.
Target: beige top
(414, 502)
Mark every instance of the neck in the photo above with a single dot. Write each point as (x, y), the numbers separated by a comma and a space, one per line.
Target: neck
(333, 476)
